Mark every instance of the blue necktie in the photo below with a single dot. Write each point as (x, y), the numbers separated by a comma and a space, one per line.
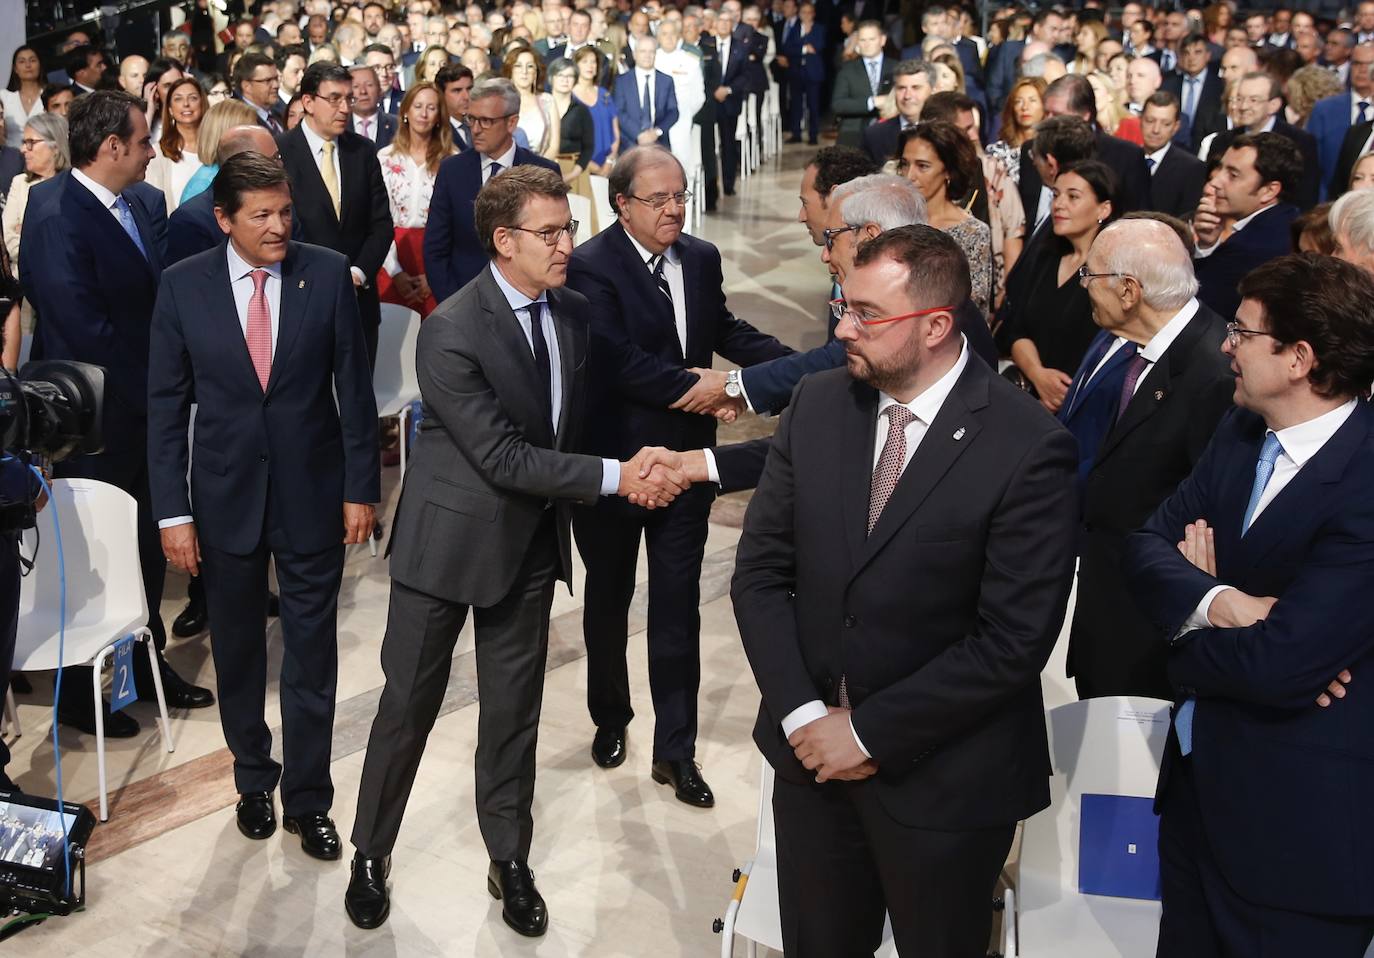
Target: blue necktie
(647, 107)
(1264, 471)
(126, 220)
(1190, 97)
(872, 75)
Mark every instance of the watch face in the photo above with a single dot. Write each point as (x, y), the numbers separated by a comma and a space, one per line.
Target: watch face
(732, 390)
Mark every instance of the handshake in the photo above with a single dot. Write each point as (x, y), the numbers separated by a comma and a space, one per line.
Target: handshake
(656, 476)
(707, 396)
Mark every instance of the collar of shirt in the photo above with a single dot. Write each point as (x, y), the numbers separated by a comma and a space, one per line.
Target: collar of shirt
(514, 297)
(1356, 100)
(670, 254)
(1269, 124)
(1199, 77)
(314, 139)
(506, 159)
(1301, 442)
(1161, 341)
(261, 111)
(926, 406)
(873, 61)
(100, 191)
(239, 267)
(641, 76)
(1157, 156)
(1243, 222)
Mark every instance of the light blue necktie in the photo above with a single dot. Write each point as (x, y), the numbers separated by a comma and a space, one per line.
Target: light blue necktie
(126, 220)
(872, 75)
(1264, 471)
(1190, 97)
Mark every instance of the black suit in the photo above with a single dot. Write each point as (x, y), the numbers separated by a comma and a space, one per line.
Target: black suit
(362, 230)
(1176, 185)
(735, 75)
(270, 473)
(1114, 648)
(706, 119)
(1305, 194)
(1209, 115)
(1352, 148)
(1264, 238)
(880, 139)
(1126, 159)
(944, 682)
(639, 368)
(849, 100)
(11, 165)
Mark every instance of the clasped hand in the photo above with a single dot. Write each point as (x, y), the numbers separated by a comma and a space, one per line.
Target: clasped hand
(650, 479)
(828, 748)
(707, 396)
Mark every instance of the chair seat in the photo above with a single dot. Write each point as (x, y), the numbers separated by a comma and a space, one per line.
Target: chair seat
(1090, 926)
(81, 644)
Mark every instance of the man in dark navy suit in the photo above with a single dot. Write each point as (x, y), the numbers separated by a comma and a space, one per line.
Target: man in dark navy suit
(733, 56)
(657, 310)
(1260, 110)
(455, 82)
(367, 118)
(803, 48)
(263, 335)
(94, 260)
(1256, 573)
(1176, 176)
(453, 253)
(640, 88)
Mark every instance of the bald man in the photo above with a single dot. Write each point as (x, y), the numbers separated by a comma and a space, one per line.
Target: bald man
(132, 70)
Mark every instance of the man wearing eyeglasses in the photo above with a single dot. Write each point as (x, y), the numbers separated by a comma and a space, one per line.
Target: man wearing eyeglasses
(256, 80)
(1255, 573)
(1259, 108)
(337, 186)
(483, 524)
(658, 308)
(454, 254)
(900, 582)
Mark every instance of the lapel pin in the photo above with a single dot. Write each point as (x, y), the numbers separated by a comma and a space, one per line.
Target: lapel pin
(301, 285)
(1159, 394)
(959, 433)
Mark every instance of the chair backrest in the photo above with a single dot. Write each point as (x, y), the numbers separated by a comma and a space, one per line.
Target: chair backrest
(601, 196)
(581, 209)
(105, 599)
(395, 382)
(1109, 746)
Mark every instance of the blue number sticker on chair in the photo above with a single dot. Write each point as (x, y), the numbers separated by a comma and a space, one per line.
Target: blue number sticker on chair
(124, 691)
(1118, 847)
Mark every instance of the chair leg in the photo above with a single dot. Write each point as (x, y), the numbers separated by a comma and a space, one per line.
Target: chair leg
(168, 743)
(99, 667)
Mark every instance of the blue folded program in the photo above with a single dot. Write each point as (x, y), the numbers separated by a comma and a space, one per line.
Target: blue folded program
(1118, 847)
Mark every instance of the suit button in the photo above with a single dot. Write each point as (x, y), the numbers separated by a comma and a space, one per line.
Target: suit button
(262, 458)
(266, 403)
(850, 622)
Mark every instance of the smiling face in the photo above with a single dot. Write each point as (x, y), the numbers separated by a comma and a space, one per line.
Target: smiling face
(186, 106)
(1076, 210)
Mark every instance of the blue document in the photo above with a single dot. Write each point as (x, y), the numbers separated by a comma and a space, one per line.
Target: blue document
(1118, 847)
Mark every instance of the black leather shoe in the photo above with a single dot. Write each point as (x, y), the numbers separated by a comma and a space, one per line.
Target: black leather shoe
(273, 605)
(688, 785)
(257, 818)
(792, 139)
(367, 901)
(180, 693)
(192, 620)
(319, 837)
(608, 747)
(522, 907)
(82, 718)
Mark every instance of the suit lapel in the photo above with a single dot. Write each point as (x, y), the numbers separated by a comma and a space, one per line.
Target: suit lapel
(145, 232)
(310, 181)
(104, 222)
(857, 466)
(296, 287)
(569, 363)
(1096, 379)
(225, 320)
(643, 280)
(505, 330)
(1158, 382)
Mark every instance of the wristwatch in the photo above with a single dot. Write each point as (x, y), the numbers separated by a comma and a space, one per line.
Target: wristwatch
(733, 389)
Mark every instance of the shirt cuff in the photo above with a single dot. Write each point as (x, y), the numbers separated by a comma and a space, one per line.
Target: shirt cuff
(712, 472)
(858, 741)
(1202, 252)
(870, 103)
(392, 263)
(803, 715)
(744, 393)
(610, 477)
(1199, 619)
(173, 521)
(358, 275)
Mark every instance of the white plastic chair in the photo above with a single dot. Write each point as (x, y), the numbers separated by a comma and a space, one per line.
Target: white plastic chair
(105, 599)
(581, 209)
(744, 133)
(696, 181)
(601, 195)
(395, 384)
(1108, 746)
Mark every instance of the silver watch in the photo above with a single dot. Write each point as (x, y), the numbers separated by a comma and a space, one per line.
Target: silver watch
(733, 389)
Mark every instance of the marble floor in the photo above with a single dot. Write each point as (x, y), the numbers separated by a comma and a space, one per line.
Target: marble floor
(626, 870)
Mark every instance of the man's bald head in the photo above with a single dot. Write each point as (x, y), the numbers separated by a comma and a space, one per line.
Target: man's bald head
(1238, 61)
(132, 70)
(242, 139)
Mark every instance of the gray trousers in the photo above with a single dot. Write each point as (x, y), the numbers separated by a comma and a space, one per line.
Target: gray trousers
(417, 651)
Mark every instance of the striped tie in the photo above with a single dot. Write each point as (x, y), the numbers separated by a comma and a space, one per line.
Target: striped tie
(656, 267)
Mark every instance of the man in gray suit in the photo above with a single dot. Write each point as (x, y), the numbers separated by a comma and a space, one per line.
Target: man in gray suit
(483, 524)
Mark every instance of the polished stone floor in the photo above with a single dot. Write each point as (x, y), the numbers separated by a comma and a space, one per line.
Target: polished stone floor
(626, 870)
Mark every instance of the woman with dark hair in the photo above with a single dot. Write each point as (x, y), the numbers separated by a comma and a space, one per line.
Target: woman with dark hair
(576, 133)
(1024, 108)
(23, 97)
(217, 89)
(523, 68)
(1049, 327)
(591, 91)
(177, 158)
(943, 164)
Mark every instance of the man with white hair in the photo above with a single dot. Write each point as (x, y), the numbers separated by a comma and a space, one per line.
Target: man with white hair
(1143, 405)
(689, 87)
(1352, 223)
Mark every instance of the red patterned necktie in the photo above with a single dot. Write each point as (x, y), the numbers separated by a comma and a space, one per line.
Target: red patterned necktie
(259, 334)
(890, 463)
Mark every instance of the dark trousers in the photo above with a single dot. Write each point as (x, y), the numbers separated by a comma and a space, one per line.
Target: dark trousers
(608, 539)
(804, 92)
(236, 594)
(710, 169)
(729, 150)
(370, 313)
(9, 628)
(843, 861)
(1204, 918)
(417, 652)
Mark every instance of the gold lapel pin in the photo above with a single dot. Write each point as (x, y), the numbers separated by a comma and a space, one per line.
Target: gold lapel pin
(301, 285)
(959, 433)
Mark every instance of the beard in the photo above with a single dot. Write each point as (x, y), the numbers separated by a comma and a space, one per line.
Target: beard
(889, 374)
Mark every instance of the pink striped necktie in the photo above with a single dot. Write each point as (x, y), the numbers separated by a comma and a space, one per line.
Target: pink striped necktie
(259, 334)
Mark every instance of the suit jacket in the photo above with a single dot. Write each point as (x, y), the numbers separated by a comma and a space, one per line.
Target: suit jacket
(1004, 61)
(849, 99)
(1328, 124)
(11, 165)
(390, 103)
(453, 253)
(734, 75)
(488, 464)
(1127, 159)
(638, 367)
(756, 43)
(192, 228)
(1263, 751)
(1266, 237)
(880, 139)
(628, 97)
(945, 683)
(363, 229)
(1176, 186)
(1352, 148)
(94, 292)
(1210, 113)
(1090, 406)
(1140, 462)
(805, 67)
(1305, 194)
(386, 128)
(294, 444)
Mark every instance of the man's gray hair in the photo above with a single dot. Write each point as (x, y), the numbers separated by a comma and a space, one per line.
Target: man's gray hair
(1352, 216)
(907, 68)
(887, 200)
(1035, 66)
(621, 182)
(497, 86)
(1152, 253)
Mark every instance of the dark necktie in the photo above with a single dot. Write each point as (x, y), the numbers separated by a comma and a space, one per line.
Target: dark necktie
(494, 169)
(1150, 162)
(1089, 368)
(647, 106)
(273, 123)
(656, 267)
(542, 366)
(1134, 370)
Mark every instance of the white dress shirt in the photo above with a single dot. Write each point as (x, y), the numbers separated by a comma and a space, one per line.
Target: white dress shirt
(242, 286)
(367, 125)
(506, 159)
(640, 77)
(1298, 444)
(672, 271)
(924, 408)
(1158, 157)
(520, 304)
(316, 143)
(107, 198)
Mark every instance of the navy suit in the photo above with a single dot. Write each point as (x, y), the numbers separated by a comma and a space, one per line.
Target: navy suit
(1328, 123)
(1209, 113)
(192, 228)
(1004, 62)
(735, 75)
(636, 368)
(1273, 779)
(453, 253)
(385, 124)
(1091, 403)
(628, 97)
(270, 473)
(1264, 238)
(805, 76)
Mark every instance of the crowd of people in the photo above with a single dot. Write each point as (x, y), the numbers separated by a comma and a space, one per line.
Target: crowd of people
(1101, 285)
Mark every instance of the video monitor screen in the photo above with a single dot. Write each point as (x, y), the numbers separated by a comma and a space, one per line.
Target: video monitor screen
(32, 837)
